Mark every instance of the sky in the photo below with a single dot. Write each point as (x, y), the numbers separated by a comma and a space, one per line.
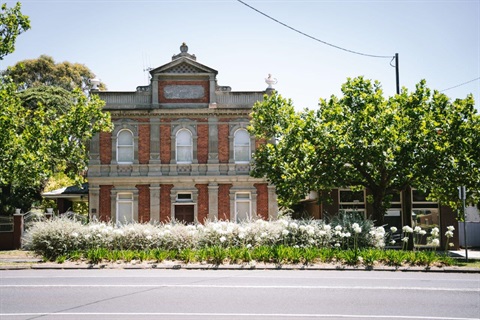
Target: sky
(438, 41)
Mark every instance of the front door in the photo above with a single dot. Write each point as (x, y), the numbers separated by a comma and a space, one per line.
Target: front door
(184, 213)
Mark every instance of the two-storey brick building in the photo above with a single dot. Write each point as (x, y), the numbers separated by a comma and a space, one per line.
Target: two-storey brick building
(179, 150)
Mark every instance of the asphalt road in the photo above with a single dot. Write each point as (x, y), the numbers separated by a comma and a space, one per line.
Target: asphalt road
(238, 294)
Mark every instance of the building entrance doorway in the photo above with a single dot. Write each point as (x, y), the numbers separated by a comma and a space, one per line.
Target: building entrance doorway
(184, 213)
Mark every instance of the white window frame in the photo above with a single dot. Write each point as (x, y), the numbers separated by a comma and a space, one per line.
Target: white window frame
(236, 145)
(190, 146)
(247, 200)
(124, 198)
(184, 199)
(124, 147)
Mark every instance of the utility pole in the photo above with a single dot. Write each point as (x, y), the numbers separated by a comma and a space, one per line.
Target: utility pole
(397, 74)
(407, 194)
(462, 194)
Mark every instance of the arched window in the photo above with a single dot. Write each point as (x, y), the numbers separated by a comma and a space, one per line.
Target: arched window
(184, 146)
(241, 146)
(125, 146)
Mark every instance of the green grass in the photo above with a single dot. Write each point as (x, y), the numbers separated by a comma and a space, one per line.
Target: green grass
(279, 255)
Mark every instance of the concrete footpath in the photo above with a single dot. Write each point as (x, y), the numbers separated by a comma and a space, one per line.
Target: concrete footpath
(17, 260)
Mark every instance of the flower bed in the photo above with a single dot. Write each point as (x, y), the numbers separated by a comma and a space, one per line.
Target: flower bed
(279, 241)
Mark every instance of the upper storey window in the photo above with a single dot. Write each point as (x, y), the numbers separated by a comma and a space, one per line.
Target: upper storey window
(184, 146)
(125, 146)
(241, 145)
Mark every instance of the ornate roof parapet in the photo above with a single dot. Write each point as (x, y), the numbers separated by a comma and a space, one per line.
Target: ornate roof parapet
(184, 53)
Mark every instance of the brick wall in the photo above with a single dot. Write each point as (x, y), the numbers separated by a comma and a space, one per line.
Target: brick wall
(223, 142)
(206, 91)
(105, 147)
(202, 202)
(105, 207)
(143, 203)
(262, 200)
(143, 142)
(224, 201)
(202, 142)
(165, 141)
(165, 202)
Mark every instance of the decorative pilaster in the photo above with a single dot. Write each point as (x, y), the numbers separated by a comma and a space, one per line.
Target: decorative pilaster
(272, 203)
(94, 201)
(155, 202)
(154, 168)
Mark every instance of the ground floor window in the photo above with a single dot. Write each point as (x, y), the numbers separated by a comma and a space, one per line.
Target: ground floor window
(243, 207)
(124, 208)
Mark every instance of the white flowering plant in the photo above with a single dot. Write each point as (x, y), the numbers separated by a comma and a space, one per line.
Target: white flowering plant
(61, 236)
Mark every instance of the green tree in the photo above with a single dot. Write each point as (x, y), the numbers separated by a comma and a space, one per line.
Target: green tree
(363, 140)
(45, 71)
(12, 24)
(45, 131)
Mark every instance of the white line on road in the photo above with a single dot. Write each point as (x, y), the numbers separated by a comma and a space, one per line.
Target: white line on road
(194, 286)
(274, 315)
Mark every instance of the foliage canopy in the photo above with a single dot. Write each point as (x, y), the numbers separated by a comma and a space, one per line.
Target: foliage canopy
(415, 139)
(12, 24)
(45, 71)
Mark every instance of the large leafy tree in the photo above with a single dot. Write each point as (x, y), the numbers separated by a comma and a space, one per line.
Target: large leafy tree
(12, 24)
(364, 140)
(45, 71)
(44, 129)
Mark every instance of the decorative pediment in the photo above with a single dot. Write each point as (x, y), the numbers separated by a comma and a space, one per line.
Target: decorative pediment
(183, 66)
(183, 63)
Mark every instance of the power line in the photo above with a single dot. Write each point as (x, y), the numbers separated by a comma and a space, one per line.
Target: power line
(461, 84)
(311, 37)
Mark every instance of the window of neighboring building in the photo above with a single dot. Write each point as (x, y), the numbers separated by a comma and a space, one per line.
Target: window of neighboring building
(124, 208)
(425, 214)
(184, 146)
(125, 146)
(242, 207)
(241, 146)
(352, 201)
(393, 217)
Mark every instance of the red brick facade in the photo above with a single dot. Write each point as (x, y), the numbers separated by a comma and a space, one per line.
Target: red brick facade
(143, 203)
(223, 142)
(165, 202)
(105, 205)
(202, 202)
(202, 143)
(182, 94)
(224, 201)
(143, 142)
(105, 147)
(165, 141)
(262, 200)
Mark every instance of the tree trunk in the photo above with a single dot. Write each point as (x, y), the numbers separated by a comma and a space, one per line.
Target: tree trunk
(378, 207)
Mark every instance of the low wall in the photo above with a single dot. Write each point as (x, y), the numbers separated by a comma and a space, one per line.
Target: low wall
(473, 234)
(12, 240)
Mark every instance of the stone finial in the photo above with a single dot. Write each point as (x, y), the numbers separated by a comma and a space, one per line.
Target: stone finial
(270, 81)
(184, 48)
(184, 53)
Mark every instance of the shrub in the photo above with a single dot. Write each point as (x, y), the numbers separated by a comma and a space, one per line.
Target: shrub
(282, 241)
